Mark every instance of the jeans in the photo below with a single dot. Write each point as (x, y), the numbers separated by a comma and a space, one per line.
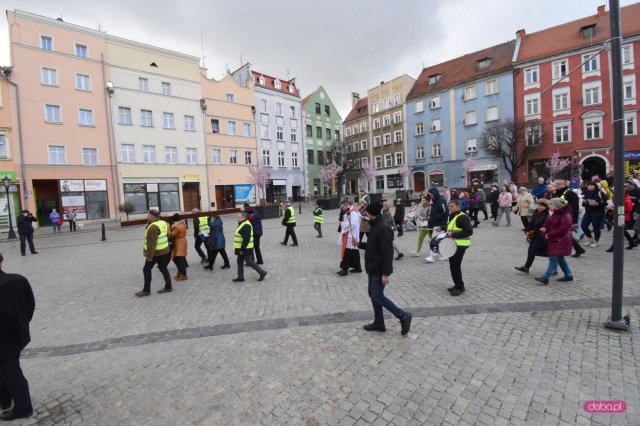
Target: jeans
(56, 226)
(162, 262)
(248, 259)
(378, 300)
(28, 238)
(14, 386)
(554, 261)
(594, 218)
(501, 211)
(473, 214)
(455, 265)
(290, 231)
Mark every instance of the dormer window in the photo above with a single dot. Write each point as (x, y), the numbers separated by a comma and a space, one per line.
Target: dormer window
(588, 31)
(277, 84)
(433, 79)
(483, 63)
(292, 88)
(261, 80)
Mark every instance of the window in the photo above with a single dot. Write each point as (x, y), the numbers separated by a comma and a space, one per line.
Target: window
(562, 132)
(281, 160)
(397, 117)
(320, 158)
(531, 76)
(364, 162)
(216, 155)
(560, 69)
(192, 155)
(189, 123)
(310, 156)
(630, 127)
(533, 135)
(492, 113)
(471, 145)
(419, 128)
(532, 105)
(363, 144)
(592, 128)
(266, 157)
(376, 124)
(396, 99)
(261, 80)
(388, 160)
(376, 107)
(85, 117)
(433, 79)
(3, 146)
(49, 76)
(263, 105)
(309, 131)
(483, 63)
(328, 133)
(233, 156)
(128, 153)
(469, 92)
(89, 156)
(337, 135)
(83, 82)
(629, 89)
(385, 103)
(376, 141)
(319, 132)
(363, 127)
(166, 88)
(588, 31)
(399, 158)
(171, 155)
(146, 118)
(264, 131)
(280, 133)
(215, 125)
(248, 158)
(397, 136)
(81, 50)
(167, 120)
(246, 129)
(387, 139)
(591, 64)
(561, 101)
(278, 109)
(435, 125)
(294, 159)
(470, 118)
(318, 109)
(356, 146)
(57, 154)
(125, 115)
(149, 154)
(435, 102)
(418, 106)
(378, 161)
(277, 84)
(52, 113)
(436, 150)
(591, 93)
(490, 87)
(420, 153)
(627, 56)
(386, 121)
(231, 128)
(231, 98)
(46, 43)
(143, 84)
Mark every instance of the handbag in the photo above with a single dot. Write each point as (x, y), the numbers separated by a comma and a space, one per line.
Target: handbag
(60, 222)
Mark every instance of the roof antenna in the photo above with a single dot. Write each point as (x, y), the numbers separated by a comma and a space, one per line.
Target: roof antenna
(241, 60)
(202, 47)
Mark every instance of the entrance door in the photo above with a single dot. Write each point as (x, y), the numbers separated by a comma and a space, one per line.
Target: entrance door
(295, 193)
(593, 166)
(46, 195)
(191, 196)
(418, 182)
(219, 197)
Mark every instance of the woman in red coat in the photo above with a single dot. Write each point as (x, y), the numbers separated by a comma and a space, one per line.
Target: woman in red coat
(557, 232)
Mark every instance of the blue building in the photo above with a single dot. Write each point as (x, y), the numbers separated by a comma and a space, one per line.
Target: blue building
(448, 108)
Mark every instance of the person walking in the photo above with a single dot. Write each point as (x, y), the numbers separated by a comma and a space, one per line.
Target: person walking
(536, 239)
(494, 201)
(437, 220)
(505, 204)
(179, 246)
(256, 222)
(17, 305)
(70, 215)
(460, 229)
(398, 217)
(378, 260)
(424, 231)
(482, 202)
(594, 201)
(474, 204)
(569, 197)
(243, 248)
(349, 234)
(54, 216)
(289, 221)
(628, 216)
(389, 222)
(25, 231)
(318, 219)
(156, 252)
(201, 233)
(216, 244)
(364, 220)
(557, 233)
(523, 206)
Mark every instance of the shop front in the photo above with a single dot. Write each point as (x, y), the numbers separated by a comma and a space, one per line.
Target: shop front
(485, 174)
(10, 206)
(87, 198)
(277, 191)
(436, 178)
(631, 163)
(152, 193)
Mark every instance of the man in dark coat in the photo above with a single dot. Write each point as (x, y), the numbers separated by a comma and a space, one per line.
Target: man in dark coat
(572, 199)
(243, 248)
(256, 222)
(289, 221)
(25, 230)
(398, 217)
(16, 311)
(378, 258)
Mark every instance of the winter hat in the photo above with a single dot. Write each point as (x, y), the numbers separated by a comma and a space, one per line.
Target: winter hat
(154, 213)
(175, 217)
(374, 209)
(556, 202)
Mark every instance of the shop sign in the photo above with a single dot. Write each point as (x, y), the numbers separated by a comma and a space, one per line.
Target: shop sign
(95, 185)
(135, 188)
(484, 167)
(436, 172)
(279, 182)
(72, 185)
(150, 180)
(152, 187)
(245, 193)
(78, 210)
(628, 155)
(74, 203)
(417, 168)
(12, 175)
(190, 178)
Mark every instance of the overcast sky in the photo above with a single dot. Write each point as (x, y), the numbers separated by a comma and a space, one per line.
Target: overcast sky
(343, 45)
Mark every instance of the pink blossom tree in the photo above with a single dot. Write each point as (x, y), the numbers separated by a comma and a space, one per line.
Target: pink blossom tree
(259, 176)
(556, 164)
(369, 174)
(404, 171)
(329, 173)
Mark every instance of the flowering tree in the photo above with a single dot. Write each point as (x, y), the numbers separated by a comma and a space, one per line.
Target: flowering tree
(404, 171)
(329, 173)
(259, 176)
(369, 174)
(555, 164)
(469, 164)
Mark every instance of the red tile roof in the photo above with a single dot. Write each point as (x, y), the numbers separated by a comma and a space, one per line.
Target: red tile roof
(567, 37)
(464, 68)
(306, 99)
(360, 110)
(269, 83)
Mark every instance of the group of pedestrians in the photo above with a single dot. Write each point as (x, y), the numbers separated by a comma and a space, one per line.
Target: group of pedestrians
(56, 220)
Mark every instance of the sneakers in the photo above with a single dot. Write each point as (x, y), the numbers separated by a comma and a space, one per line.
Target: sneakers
(565, 279)
(282, 243)
(542, 280)
(262, 275)
(429, 259)
(590, 241)
(229, 266)
(494, 224)
(375, 327)
(9, 415)
(593, 244)
(414, 253)
(355, 271)
(522, 269)
(142, 293)
(204, 260)
(400, 256)
(442, 259)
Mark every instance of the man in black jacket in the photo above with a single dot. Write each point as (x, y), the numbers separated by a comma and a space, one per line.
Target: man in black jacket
(243, 248)
(378, 258)
(571, 198)
(16, 310)
(398, 217)
(289, 221)
(25, 230)
(460, 229)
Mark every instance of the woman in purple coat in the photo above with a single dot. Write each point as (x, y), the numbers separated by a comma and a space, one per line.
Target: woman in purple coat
(557, 232)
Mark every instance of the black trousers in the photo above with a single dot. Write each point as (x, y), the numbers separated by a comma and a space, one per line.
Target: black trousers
(24, 239)
(351, 259)
(72, 225)
(494, 211)
(162, 262)
(256, 248)
(473, 214)
(483, 209)
(400, 228)
(248, 259)
(14, 386)
(525, 220)
(455, 264)
(317, 226)
(181, 264)
(529, 262)
(199, 242)
(290, 231)
(214, 253)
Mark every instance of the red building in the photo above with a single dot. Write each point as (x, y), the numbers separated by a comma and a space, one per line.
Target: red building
(562, 81)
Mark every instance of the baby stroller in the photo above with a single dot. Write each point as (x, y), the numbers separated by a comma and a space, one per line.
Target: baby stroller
(409, 223)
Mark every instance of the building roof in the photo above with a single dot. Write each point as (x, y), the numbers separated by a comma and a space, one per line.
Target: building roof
(568, 37)
(269, 83)
(306, 98)
(360, 110)
(464, 68)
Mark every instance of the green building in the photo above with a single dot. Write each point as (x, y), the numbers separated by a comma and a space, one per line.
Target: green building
(323, 139)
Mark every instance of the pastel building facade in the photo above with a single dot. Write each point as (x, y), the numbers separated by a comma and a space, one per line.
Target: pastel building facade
(448, 109)
(9, 149)
(357, 146)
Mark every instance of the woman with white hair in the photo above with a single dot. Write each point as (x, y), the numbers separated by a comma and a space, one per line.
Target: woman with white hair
(523, 206)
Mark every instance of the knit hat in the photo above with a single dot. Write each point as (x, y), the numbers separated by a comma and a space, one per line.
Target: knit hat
(374, 209)
(175, 217)
(556, 202)
(154, 213)
(543, 202)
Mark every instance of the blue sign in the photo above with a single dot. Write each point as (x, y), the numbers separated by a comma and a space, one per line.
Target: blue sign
(632, 155)
(416, 168)
(245, 193)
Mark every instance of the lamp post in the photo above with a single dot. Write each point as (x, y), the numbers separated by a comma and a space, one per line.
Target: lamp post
(7, 182)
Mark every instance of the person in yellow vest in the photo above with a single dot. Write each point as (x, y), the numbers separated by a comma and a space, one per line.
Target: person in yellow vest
(243, 248)
(460, 229)
(318, 219)
(156, 252)
(201, 232)
(289, 220)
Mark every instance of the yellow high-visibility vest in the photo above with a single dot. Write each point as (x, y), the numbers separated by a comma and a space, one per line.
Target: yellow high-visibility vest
(163, 236)
(319, 216)
(237, 238)
(453, 227)
(203, 225)
(292, 219)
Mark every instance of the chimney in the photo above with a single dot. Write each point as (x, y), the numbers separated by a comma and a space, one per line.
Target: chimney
(601, 11)
(521, 33)
(355, 97)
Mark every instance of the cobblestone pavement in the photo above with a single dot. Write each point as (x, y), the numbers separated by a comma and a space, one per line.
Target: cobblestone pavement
(291, 350)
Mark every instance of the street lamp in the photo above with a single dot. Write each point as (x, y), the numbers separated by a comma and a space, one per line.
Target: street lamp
(7, 182)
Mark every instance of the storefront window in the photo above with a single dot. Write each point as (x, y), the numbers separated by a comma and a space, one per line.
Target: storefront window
(436, 179)
(97, 205)
(279, 193)
(395, 181)
(163, 196)
(169, 197)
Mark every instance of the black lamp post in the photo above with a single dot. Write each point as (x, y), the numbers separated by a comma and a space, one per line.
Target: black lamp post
(7, 182)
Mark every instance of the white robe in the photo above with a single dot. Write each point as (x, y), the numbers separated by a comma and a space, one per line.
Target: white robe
(351, 226)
